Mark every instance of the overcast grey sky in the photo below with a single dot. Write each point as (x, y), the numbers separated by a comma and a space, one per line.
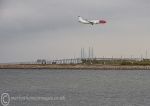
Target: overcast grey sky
(49, 29)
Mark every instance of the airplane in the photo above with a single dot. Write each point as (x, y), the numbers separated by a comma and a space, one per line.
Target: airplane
(92, 22)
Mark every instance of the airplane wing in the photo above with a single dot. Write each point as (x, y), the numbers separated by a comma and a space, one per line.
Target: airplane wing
(95, 21)
(90, 22)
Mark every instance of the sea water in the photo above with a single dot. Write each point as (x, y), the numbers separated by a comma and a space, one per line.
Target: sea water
(44, 87)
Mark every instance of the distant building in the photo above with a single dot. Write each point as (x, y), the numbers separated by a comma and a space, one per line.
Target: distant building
(41, 61)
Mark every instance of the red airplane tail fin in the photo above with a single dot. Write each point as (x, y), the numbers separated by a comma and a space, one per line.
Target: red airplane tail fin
(102, 22)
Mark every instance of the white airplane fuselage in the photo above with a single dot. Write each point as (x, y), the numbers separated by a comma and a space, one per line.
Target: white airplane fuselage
(92, 22)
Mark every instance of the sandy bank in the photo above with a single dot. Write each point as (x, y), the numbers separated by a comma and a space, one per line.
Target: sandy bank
(67, 66)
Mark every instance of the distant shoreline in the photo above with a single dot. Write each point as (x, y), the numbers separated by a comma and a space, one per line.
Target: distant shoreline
(74, 66)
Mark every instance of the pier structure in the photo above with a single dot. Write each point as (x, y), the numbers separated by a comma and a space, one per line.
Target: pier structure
(65, 61)
(80, 60)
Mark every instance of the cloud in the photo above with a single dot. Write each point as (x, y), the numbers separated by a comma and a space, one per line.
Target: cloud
(54, 22)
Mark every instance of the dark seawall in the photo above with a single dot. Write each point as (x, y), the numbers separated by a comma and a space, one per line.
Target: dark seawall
(72, 66)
